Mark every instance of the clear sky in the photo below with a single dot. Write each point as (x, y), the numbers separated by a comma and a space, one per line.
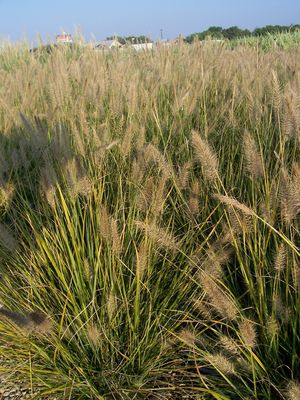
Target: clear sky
(26, 18)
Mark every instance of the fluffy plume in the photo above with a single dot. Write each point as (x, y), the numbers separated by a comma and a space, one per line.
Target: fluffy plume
(221, 363)
(76, 179)
(194, 198)
(289, 195)
(111, 305)
(206, 156)
(105, 226)
(293, 391)
(94, 334)
(115, 236)
(87, 270)
(6, 194)
(281, 310)
(253, 158)
(142, 259)
(126, 144)
(160, 195)
(276, 91)
(184, 173)
(188, 337)
(280, 258)
(229, 345)
(272, 326)
(159, 235)
(145, 196)
(217, 296)
(213, 261)
(109, 230)
(248, 333)
(151, 153)
(230, 201)
(201, 306)
(138, 169)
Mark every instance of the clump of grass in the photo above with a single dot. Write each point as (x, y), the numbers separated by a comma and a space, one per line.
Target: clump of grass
(154, 214)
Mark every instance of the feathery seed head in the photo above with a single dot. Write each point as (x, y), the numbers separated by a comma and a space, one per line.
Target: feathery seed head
(187, 336)
(145, 197)
(94, 334)
(217, 296)
(229, 345)
(115, 236)
(272, 326)
(183, 176)
(230, 201)
(207, 157)
(6, 194)
(248, 333)
(194, 198)
(253, 158)
(160, 195)
(293, 390)
(221, 363)
(142, 259)
(111, 305)
(151, 153)
(201, 306)
(159, 235)
(281, 258)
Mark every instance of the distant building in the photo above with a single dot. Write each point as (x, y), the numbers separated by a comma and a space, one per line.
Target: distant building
(109, 44)
(64, 38)
(142, 46)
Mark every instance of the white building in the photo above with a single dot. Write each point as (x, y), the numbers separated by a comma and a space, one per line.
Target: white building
(142, 46)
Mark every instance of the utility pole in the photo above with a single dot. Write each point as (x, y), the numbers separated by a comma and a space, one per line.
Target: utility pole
(161, 34)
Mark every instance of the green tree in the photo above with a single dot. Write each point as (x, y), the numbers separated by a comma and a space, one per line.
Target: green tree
(234, 32)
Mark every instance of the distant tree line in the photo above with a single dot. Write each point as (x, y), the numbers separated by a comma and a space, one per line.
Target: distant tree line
(216, 32)
(234, 32)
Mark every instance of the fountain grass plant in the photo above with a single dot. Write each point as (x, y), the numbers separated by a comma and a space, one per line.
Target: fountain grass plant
(149, 206)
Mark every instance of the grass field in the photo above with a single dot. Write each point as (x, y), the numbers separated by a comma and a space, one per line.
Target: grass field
(149, 207)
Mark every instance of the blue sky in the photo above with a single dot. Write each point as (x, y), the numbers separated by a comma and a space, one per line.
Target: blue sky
(26, 18)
